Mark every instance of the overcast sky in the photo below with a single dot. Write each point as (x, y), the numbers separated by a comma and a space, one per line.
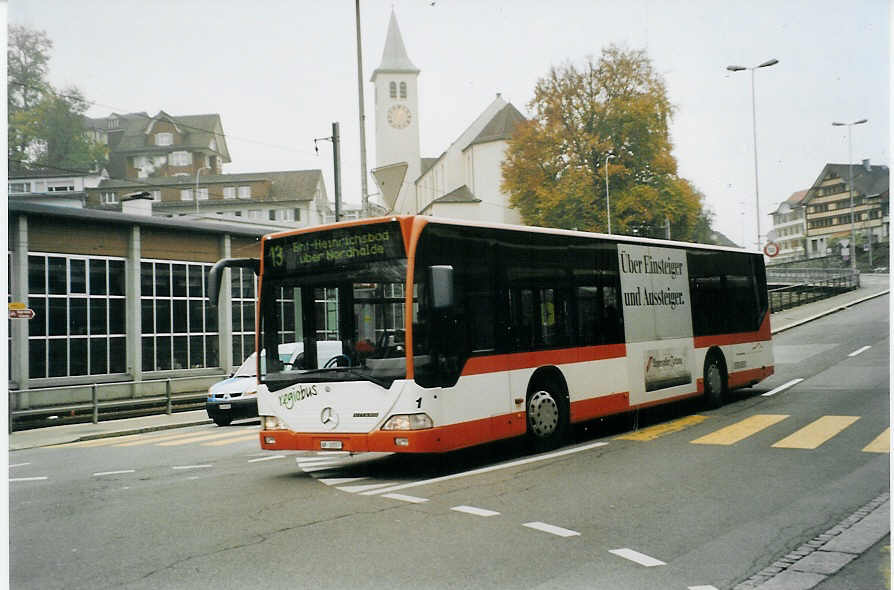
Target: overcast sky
(279, 72)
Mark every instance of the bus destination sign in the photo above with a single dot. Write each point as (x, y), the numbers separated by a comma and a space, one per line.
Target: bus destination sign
(336, 247)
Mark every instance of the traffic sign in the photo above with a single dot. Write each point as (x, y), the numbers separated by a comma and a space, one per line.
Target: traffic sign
(771, 249)
(21, 314)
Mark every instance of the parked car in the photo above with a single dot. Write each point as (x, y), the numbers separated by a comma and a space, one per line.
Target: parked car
(236, 397)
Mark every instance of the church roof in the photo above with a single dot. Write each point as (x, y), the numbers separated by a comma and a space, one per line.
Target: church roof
(500, 127)
(394, 56)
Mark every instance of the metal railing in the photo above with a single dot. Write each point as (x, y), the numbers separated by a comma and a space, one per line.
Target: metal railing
(798, 286)
(167, 400)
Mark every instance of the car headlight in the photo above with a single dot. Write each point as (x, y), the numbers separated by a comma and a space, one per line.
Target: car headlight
(272, 423)
(408, 422)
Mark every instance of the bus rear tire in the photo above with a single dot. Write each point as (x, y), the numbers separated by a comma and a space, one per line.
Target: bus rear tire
(547, 417)
(715, 380)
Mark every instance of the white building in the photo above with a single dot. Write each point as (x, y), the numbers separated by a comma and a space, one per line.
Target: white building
(790, 228)
(464, 182)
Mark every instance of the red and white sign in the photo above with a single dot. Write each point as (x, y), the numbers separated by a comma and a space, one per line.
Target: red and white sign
(771, 249)
(21, 314)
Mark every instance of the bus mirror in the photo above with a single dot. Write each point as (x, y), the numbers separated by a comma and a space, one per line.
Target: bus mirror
(441, 279)
(213, 290)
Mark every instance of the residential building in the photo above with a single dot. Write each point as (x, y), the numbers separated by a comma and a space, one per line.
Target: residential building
(790, 229)
(53, 186)
(828, 206)
(287, 198)
(464, 181)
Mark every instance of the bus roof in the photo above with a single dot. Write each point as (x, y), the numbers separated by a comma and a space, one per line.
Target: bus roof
(426, 219)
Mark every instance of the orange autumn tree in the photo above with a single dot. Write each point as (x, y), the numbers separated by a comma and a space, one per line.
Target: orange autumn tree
(555, 165)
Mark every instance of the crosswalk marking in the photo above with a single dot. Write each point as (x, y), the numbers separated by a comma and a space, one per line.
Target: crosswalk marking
(151, 440)
(653, 432)
(337, 481)
(364, 487)
(732, 434)
(236, 439)
(816, 433)
(197, 438)
(881, 443)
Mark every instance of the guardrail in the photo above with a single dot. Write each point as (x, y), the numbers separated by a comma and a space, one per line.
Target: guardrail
(805, 285)
(165, 397)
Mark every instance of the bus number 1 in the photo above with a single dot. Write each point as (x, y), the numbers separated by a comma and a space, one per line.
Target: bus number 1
(419, 403)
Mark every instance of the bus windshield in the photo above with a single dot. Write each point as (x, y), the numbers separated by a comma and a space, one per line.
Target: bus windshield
(340, 295)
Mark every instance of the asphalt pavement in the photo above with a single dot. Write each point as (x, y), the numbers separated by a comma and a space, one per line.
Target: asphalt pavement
(864, 563)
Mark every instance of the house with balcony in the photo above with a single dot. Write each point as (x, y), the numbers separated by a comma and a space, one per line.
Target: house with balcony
(831, 210)
(789, 228)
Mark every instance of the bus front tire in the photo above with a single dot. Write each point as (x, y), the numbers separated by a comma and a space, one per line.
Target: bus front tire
(715, 380)
(547, 418)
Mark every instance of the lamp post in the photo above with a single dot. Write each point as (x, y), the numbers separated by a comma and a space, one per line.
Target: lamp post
(850, 183)
(757, 202)
(196, 193)
(608, 201)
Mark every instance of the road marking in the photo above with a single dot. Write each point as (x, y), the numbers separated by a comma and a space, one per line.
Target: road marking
(148, 440)
(475, 511)
(320, 467)
(42, 478)
(236, 439)
(551, 529)
(122, 471)
(191, 466)
(18, 465)
(881, 444)
(336, 481)
(481, 470)
(637, 557)
(403, 498)
(702, 588)
(740, 430)
(317, 460)
(816, 433)
(269, 458)
(782, 387)
(860, 351)
(653, 432)
(363, 487)
(201, 437)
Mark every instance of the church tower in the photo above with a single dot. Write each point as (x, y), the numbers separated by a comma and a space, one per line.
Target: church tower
(397, 114)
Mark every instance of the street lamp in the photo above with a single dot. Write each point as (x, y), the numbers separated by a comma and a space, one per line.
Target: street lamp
(850, 182)
(608, 201)
(196, 193)
(757, 202)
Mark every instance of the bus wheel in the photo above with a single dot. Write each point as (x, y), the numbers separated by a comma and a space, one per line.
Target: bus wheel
(547, 418)
(715, 380)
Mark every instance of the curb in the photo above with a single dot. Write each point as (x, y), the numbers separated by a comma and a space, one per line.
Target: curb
(828, 312)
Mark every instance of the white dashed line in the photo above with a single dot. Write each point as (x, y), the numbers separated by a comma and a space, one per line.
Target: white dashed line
(475, 511)
(19, 465)
(534, 459)
(702, 588)
(551, 529)
(860, 351)
(192, 466)
(637, 557)
(267, 458)
(42, 478)
(782, 387)
(122, 471)
(363, 487)
(337, 481)
(403, 498)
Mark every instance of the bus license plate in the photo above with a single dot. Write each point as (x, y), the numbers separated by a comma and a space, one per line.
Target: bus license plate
(330, 444)
(225, 406)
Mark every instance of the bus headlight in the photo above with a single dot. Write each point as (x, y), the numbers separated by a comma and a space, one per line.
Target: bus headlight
(408, 422)
(272, 423)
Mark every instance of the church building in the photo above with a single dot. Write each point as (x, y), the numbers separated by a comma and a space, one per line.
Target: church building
(464, 181)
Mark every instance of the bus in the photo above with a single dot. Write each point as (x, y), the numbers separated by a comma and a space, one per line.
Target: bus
(453, 334)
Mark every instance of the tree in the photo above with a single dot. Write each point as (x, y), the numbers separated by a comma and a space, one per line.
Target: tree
(45, 127)
(555, 166)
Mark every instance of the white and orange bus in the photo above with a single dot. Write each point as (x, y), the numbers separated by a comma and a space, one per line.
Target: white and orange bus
(455, 334)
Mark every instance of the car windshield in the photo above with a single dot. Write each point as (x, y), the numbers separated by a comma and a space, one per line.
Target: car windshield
(287, 353)
(348, 323)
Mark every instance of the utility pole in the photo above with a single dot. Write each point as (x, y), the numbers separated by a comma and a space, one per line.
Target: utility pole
(336, 166)
(364, 193)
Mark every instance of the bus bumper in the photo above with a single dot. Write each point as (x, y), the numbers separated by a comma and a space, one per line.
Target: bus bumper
(391, 441)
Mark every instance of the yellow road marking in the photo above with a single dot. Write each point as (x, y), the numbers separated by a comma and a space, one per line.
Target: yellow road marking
(198, 437)
(881, 444)
(733, 433)
(653, 432)
(123, 441)
(816, 433)
(154, 439)
(235, 439)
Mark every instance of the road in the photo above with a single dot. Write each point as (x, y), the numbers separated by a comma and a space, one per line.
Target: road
(676, 497)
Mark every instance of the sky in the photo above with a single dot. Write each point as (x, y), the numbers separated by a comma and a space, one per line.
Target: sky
(279, 72)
